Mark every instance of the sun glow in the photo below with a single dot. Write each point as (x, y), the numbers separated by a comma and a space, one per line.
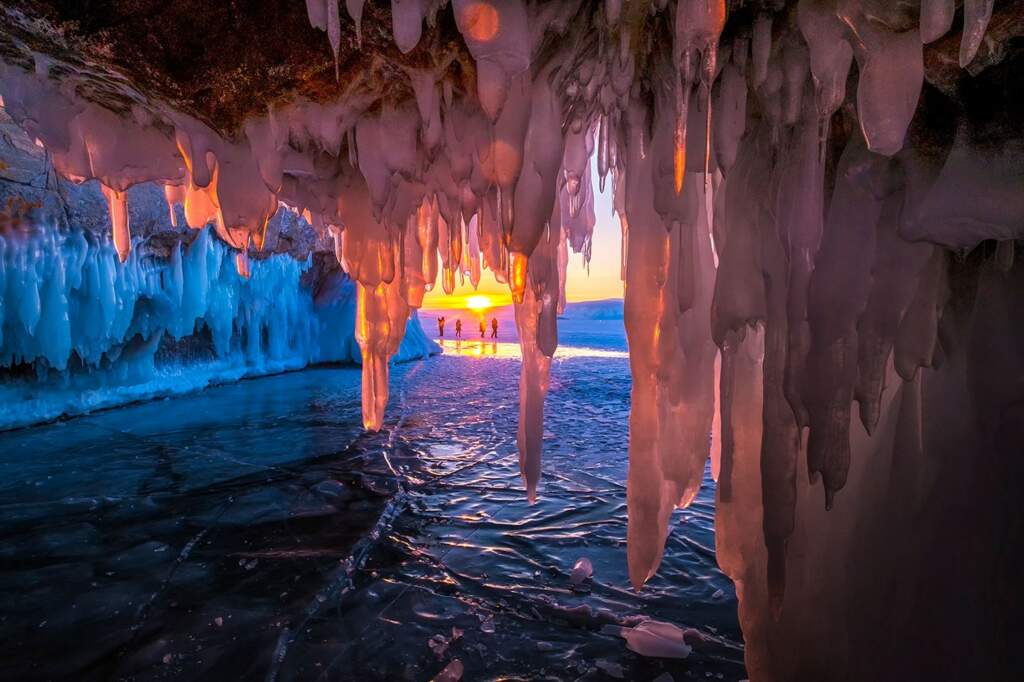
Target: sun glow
(479, 303)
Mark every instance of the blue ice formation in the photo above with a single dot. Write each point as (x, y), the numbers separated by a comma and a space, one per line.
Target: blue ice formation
(80, 331)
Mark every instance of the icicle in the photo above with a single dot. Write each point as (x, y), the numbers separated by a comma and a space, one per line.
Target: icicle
(732, 116)
(682, 90)
(894, 276)
(780, 445)
(407, 22)
(334, 33)
(353, 153)
(317, 11)
(426, 234)
(602, 149)
(413, 281)
(533, 387)
(536, 313)
(517, 279)
(698, 25)
(977, 14)
(830, 54)
(497, 35)
(1004, 255)
(355, 10)
(886, 96)
(761, 47)
(381, 314)
(472, 252)
(174, 194)
(936, 19)
(612, 11)
(646, 304)
(242, 264)
(916, 340)
(799, 211)
(117, 202)
(838, 294)
(371, 333)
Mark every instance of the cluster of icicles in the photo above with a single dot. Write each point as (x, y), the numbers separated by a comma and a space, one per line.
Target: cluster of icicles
(729, 242)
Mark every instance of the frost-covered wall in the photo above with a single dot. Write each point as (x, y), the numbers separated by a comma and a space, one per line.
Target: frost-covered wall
(79, 330)
(82, 331)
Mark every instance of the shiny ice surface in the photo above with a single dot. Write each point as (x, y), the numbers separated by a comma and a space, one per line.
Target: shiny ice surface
(212, 535)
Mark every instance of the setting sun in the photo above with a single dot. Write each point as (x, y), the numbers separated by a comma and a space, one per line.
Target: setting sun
(479, 303)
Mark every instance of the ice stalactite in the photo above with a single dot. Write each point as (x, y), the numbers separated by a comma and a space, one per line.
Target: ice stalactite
(242, 265)
(117, 201)
(886, 96)
(407, 22)
(839, 291)
(977, 14)
(355, 11)
(381, 314)
(497, 36)
(731, 108)
(174, 195)
(917, 343)
(739, 543)
(536, 321)
(414, 284)
(324, 15)
(533, 388)
(896, 266)
(830, 54)
(536, 246)
(535, 188)
(645, 305)
(798, 214)
(936, 19)
(761, 48)
(669, 282)
(698, 25)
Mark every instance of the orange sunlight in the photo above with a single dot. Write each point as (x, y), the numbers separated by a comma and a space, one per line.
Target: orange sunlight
(476, 301)
(479, 303)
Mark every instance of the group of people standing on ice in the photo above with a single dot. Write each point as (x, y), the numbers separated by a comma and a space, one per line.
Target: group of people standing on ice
(458, 327)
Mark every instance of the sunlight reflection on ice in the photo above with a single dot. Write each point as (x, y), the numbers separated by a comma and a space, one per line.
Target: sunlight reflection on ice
(503, 350)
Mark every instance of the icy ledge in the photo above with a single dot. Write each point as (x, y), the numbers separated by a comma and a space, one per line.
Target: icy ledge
(80, 331)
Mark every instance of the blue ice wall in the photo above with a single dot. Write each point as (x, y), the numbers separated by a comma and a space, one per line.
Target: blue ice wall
(81, 331)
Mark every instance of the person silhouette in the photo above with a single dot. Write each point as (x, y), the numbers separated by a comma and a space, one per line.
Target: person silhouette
(440, 326)
(494, 327)
(483, 327)
(458, 329)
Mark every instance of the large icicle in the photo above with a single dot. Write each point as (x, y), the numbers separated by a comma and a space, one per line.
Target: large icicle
(886, 95)
(936, 19)
(117, 202)
(407, 22)
(977, 14)
(838, 294)
(536, 316)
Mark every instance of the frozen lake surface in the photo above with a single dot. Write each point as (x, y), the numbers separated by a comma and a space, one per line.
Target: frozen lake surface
(254, 531)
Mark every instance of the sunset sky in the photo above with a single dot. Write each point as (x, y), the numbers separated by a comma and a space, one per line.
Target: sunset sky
(602, 281)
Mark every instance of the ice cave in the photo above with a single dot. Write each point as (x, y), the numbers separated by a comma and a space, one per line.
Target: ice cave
(747, 399)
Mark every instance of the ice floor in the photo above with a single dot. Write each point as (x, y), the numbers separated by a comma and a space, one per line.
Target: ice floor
(253, 531)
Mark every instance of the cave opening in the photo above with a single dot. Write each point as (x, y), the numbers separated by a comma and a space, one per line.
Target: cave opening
(490, 339)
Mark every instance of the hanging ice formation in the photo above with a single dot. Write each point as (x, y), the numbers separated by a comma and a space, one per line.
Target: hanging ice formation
(805, 262)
